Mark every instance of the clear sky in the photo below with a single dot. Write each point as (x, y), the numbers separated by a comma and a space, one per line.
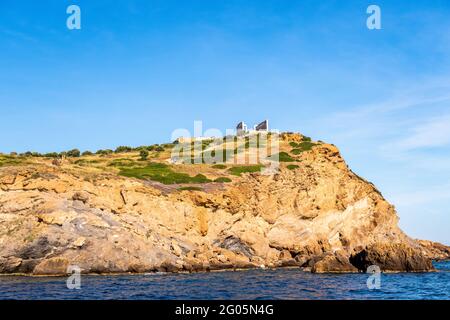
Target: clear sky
(137, 70)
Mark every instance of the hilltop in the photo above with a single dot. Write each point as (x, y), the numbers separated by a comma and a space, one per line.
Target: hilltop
(141, 210)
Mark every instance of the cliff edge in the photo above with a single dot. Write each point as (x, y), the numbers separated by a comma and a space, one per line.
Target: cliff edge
(315, 213)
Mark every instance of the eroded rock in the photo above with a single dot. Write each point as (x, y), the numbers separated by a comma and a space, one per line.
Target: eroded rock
(321, 217)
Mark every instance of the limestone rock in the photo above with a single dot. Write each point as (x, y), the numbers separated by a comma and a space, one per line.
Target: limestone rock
(435, 250)
(80, 242)
(321, 217)
(334, 263)
(52, 266)
(391, 257)
(81, 196)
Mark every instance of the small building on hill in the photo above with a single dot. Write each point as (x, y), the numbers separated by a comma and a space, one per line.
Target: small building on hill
(242, 129)
(263, 126)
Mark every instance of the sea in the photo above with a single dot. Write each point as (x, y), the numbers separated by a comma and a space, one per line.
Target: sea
(255, 284)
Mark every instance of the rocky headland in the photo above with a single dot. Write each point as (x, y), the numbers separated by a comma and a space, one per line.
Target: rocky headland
(315, 214)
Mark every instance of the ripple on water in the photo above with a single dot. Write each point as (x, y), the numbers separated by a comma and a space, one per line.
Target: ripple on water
(250, 284)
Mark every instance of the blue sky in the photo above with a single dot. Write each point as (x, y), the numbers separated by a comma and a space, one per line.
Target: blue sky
(137, 70)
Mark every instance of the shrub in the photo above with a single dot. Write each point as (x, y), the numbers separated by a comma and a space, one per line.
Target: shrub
(143, 154)
(123, 162)
(303, 146)
(307, 139)
(11, 161)
(200, 178)
(159, 149)
(306, 145)
(123, 149)
(51, 155)
(282, 157)
(285, 157)
(293, 144)
(87, 153)
(104, 152)
(85, 162)
(243, 169)
(161, 172)
(219, 166)
(222, 179)
(293, 167)
(74, 153)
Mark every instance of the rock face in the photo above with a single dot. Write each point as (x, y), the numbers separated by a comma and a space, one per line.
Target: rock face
(321, 217)
(435, 250)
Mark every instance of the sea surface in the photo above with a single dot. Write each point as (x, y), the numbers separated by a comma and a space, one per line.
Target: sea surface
(250, 284)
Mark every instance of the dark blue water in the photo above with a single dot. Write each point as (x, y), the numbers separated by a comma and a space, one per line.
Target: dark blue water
(251, 284)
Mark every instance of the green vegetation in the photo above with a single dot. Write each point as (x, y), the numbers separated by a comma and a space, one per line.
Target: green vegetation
(298, 145)
(123, 149)
(148, 148)
(222, 180)
(143, 154)
(84, 162)
(159, 149)
(285, 157)
(282, 157)
(123, 162)
(51, 155)
(302, 146)
(11, 160)
(161, 173)
(190, 188)
(237, 170)
(293, 167)
(305, 138)
(104, 152)
(306, 145)
(87, 153)
(219, 166)
(74, 153)
(31, 154)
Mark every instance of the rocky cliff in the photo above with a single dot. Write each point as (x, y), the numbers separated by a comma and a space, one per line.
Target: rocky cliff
(319, 216)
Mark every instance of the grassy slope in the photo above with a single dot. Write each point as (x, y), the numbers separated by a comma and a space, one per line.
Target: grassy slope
(157, 167)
